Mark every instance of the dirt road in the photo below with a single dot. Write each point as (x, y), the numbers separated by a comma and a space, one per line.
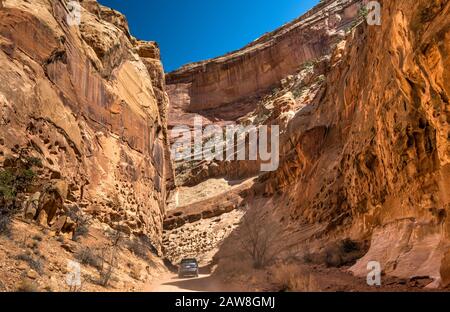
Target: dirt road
(171, 283)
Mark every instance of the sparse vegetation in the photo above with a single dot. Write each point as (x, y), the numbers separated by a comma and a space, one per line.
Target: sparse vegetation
(83, 223)
(139, 249)
(88, 257)
(321, 79)
(363, 12)
(15, 179)
(4, 223)
(290, 277)
(298, 92)
(33, 263)
(260, 238)
(108, 264)
(309, 64)
(27, 286)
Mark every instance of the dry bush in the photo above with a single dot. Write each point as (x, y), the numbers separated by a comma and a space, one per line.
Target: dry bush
(105, 261)
(108, 264)
(82, 221)
(261, 238)
(34, 264)
(290, 277)
(27, 286)
(234, 268)
(88, 257)
(5, 220)
(116, 238)
(139, 249)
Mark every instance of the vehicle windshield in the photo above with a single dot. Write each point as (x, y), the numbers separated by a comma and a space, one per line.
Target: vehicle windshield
(189, 263)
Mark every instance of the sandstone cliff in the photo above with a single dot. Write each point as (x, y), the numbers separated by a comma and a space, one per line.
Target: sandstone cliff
(364, 111)
(227, 88)
(365, 172)
(87, 102)
(364, 161)
(370, 158)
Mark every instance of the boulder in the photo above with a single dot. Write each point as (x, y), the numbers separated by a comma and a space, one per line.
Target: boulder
(31, 206)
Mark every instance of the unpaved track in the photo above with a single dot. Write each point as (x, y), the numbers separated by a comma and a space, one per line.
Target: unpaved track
(171, 283)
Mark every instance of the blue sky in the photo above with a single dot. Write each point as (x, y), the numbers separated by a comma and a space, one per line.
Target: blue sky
(194, 30)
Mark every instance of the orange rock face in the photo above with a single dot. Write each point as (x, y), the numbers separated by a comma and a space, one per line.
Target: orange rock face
(365, 133)
(370, 159)
(89, 101)
(224, 90)
(363, 112)
(264, 62)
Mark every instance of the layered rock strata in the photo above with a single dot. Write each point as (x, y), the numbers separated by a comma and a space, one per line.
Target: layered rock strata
(88, 100)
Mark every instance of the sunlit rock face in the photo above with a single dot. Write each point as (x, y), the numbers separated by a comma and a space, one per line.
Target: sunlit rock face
(224, 90)
(365, 140)
(89, 100)
(266, 61)
(370, 158)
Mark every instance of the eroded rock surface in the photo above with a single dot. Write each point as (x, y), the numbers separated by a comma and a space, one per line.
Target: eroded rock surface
(369, 158)
(89, 102)
(224, 90)
(365, 134)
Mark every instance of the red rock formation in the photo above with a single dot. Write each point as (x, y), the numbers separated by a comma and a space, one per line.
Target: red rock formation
(90, 102)
(365, 146)
(370, 158)
(225, 89)
(264, 62)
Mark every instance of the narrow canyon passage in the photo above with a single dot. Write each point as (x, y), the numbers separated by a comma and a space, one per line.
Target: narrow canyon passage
(112, 171)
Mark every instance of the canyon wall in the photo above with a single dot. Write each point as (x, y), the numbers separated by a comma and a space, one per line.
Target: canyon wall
(368, 159)
(226, 89)
(267, 60)
(88, 102)
(365, 136)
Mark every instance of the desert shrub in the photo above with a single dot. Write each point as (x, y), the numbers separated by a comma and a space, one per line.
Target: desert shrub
(27, 286)
(261, 238)
(15, 179)
(363, 12)
(321, 79)
(83, 225)
(116, 238)
(298, 92)
(88, 257)
(5, 219)
(290, 277)
(309, 64)
(33, 263)
(139, 249)
(234, 268)
(108, 265)
(33, 161)
(82, 221)
(7, 183)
